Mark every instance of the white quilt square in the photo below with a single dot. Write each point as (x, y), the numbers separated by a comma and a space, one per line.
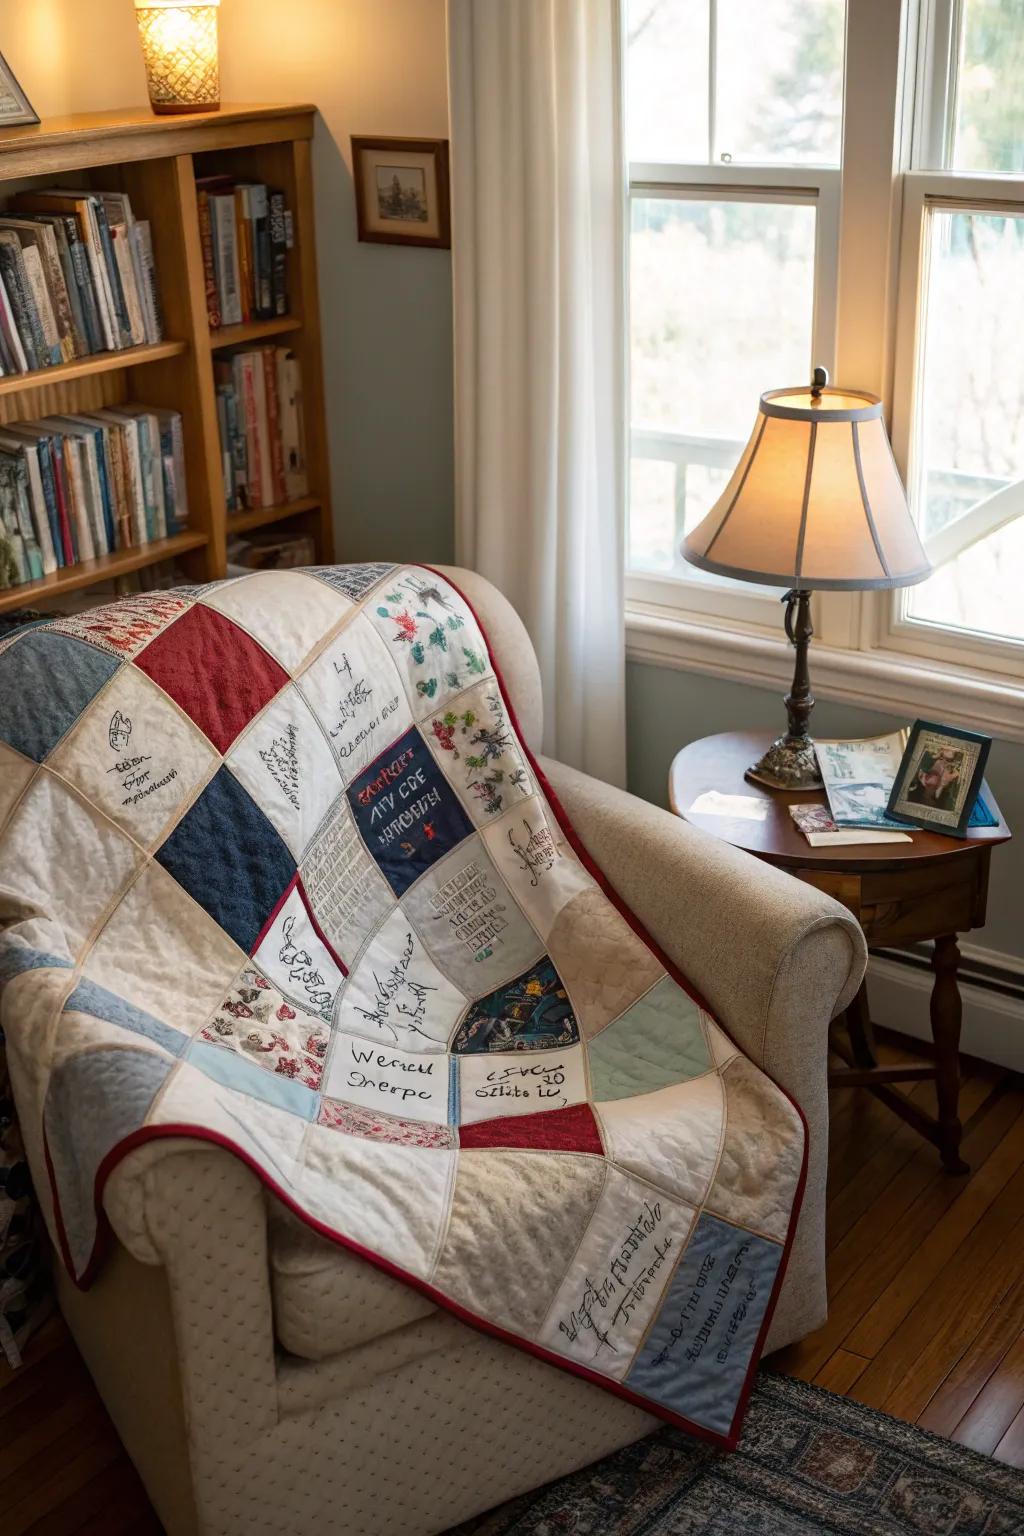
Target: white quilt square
(433, 636)
(519, 1083)
(411, 1084)
(353, 688)
(670, 1137)
(536, 862)
(136, 756)
(283, 760)
(161, 950)
(476, 746)
(287, 612)
(15, 772)
(346, 891)
(296, 960)
(396, 996)
(65, 859)
(619, 1275)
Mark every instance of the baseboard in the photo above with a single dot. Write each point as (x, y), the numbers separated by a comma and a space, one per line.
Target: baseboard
(993, 996)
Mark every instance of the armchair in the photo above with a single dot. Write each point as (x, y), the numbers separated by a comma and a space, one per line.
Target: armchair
(265, 1380)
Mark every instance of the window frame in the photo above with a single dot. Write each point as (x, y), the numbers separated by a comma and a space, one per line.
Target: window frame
(899, 113)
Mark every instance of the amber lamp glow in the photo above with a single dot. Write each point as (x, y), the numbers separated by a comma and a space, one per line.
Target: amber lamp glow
(179, 45)
(815, 502)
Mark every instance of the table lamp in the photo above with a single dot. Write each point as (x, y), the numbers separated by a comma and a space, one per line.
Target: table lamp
(815, 502)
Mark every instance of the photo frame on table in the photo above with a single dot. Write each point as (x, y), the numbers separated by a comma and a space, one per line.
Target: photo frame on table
(402, 191)
(16, 110)
(939, 777)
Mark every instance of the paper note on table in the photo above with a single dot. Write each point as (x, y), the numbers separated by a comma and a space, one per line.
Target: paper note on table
(740, 807)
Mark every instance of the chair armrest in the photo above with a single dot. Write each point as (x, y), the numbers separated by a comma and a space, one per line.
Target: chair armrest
(775, 958)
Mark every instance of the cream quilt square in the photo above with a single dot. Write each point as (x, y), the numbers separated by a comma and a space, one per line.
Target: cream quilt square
(287, 612)
(285, 763)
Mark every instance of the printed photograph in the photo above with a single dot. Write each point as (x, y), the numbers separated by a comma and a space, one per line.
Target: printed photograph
(401, 193)
(939, 778)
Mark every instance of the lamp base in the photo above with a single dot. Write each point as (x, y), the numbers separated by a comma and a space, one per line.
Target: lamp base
(789, 763)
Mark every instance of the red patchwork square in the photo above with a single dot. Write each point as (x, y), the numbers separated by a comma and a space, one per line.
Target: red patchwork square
(218, 675)
(572, 1129)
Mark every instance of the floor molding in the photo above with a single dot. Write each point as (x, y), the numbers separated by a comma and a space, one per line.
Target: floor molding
(900, 982)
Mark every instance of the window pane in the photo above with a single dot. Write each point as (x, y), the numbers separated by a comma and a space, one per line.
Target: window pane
(667, 80)
(970, 425)
(989, 126)
(721, 310)
(779, 71)
(778, 80)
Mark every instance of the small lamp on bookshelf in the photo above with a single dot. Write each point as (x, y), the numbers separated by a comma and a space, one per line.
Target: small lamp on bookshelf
(179, 46)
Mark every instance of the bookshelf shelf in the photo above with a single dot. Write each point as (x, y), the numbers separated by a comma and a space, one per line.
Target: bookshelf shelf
(87, 572)
(84, 367)
(259, 517)
(156, 162)
(253, 330)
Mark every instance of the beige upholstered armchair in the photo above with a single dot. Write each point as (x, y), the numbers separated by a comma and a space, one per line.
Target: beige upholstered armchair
(266, 1381)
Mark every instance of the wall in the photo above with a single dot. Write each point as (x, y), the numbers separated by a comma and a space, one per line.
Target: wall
(370, 68)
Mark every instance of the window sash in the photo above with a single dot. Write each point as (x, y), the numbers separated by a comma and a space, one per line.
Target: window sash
(817, 186)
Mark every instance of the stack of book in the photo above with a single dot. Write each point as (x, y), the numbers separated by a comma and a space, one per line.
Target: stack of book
(246, 232)
(259, 411)
(76, 277)
(75, 487)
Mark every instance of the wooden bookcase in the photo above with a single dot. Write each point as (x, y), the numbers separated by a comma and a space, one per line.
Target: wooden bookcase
(156, 161)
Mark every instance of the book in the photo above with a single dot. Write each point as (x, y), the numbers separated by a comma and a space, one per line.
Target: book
(815, 822)
(858, 777)
(276, 482)
(22, 298)
(142, 249)
(13, 347)
(209, 270)
(225, 249)
(42, 265)
(289, 391)
(243, 227)
(37, 502)
(278, 254)
(172, 449)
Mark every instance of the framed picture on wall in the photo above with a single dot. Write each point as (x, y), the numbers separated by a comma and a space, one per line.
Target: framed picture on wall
(402, 195)
(15, 107)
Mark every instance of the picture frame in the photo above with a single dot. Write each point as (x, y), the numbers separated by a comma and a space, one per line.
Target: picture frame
(939, 777)
(402, 191)
(16, 111)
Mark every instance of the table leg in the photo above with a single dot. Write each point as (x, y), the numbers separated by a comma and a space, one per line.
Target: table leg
(858, 1027)
(946, 1017)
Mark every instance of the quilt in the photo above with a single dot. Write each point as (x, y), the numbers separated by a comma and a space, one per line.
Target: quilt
(278, 871)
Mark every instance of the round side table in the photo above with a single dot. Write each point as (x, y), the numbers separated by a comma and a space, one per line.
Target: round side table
(930, 889)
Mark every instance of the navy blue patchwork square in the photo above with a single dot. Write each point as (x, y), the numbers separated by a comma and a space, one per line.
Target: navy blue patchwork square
(46, 681)
(230, 859)
(406, 812)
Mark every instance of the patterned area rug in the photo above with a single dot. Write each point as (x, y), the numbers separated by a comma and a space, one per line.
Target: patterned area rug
(808, 1462)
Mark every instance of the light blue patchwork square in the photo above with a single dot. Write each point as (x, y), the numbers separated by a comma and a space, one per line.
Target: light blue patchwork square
(656, 1042)
(46, 680)
(234, 1071)
(696, 1356)
(88, 997)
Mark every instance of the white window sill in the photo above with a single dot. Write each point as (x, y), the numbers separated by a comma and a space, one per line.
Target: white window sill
(883, 680)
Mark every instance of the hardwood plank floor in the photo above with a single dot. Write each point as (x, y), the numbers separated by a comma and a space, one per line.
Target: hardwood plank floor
(926, 1314)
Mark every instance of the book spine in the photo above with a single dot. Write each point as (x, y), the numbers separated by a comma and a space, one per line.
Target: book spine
(182, 512)
(75, 297)
(278, 255)
(156, 458)
(118, 472)
(135, 484)
(26, 319)
(78, 506)
(58, 293)
(7, 356)
(118, 303)
(144, 236)
(51, 353)
(83, 284)
(289, 388)
(17, 516)
(227, 260)
(60, 485)
(250, 417)
(224, 434)
(9, 326)
(101, 282)
(48, 476)
(279, 489)
(243, 226)
(37, 505)
(106, 487)
(209, 268)
(90, 469)
(262, 261)
(126, 272)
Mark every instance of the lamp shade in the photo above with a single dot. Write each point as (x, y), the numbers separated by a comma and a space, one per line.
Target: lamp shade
(816, 500)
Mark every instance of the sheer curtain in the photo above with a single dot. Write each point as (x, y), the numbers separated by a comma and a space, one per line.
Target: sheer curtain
(537, 200)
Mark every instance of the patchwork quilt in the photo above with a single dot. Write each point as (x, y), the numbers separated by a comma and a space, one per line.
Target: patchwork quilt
(278, 872)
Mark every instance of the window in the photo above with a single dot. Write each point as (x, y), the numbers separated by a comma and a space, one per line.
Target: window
(742, 224)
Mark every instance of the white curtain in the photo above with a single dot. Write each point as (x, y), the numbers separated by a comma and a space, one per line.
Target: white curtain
(537, 200)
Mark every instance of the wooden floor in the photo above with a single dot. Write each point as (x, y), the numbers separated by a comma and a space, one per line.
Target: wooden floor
(926, 1280)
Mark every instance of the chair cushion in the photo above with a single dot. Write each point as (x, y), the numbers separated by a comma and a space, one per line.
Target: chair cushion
(327, 1299)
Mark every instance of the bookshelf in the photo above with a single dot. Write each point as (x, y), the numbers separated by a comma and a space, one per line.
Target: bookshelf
(156, 162)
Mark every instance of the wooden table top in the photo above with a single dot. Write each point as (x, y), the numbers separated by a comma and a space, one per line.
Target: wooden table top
(719, 763)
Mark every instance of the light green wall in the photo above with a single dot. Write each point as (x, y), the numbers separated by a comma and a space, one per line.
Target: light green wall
(665, 709)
